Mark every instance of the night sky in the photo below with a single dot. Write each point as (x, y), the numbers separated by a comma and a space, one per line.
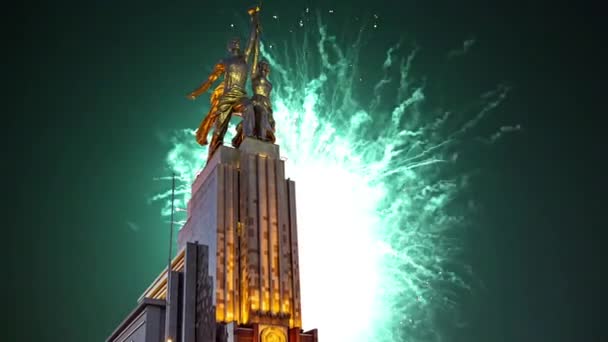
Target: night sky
(95, 88)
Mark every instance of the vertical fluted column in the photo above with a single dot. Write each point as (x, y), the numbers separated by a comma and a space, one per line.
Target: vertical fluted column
(296, 319)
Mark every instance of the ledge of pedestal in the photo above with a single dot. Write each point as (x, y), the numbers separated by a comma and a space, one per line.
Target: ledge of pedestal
(254, 146)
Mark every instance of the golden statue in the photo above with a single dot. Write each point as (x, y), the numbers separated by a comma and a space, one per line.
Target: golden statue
(230, 96)
(261, 124)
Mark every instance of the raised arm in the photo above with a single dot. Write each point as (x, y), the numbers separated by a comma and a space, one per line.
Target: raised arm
(256, 55)
(253, 35)
(218, 70)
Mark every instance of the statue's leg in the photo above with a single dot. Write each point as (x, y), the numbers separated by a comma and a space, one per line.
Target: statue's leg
(215, 144)
(238, 138)
(266, 129)
(248, 119)
(221, 127)
(271, 127)
(240, 107)
(271, 119)
(260, 119)
(205, 126)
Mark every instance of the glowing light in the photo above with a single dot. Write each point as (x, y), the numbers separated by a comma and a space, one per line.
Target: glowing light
(377, 233)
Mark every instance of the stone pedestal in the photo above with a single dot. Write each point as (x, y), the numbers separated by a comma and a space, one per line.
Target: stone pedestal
(243, 209)
(236, 275)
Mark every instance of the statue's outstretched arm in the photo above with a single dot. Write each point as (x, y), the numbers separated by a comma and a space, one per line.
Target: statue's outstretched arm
(218, 70)
(253, 35)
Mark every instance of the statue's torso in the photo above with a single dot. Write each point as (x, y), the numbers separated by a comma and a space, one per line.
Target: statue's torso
(236, 72)
(261, 86)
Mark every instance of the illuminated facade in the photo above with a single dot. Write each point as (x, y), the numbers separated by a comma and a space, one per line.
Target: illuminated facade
(236, 275)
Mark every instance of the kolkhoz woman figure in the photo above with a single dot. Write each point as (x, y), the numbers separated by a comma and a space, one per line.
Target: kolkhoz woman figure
(261, 125)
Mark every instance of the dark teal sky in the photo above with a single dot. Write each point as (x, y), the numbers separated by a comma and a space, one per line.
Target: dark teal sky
(95, 86)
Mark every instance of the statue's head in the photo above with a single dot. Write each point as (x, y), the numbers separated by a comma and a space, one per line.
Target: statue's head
(264, 67)
(234, 46)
